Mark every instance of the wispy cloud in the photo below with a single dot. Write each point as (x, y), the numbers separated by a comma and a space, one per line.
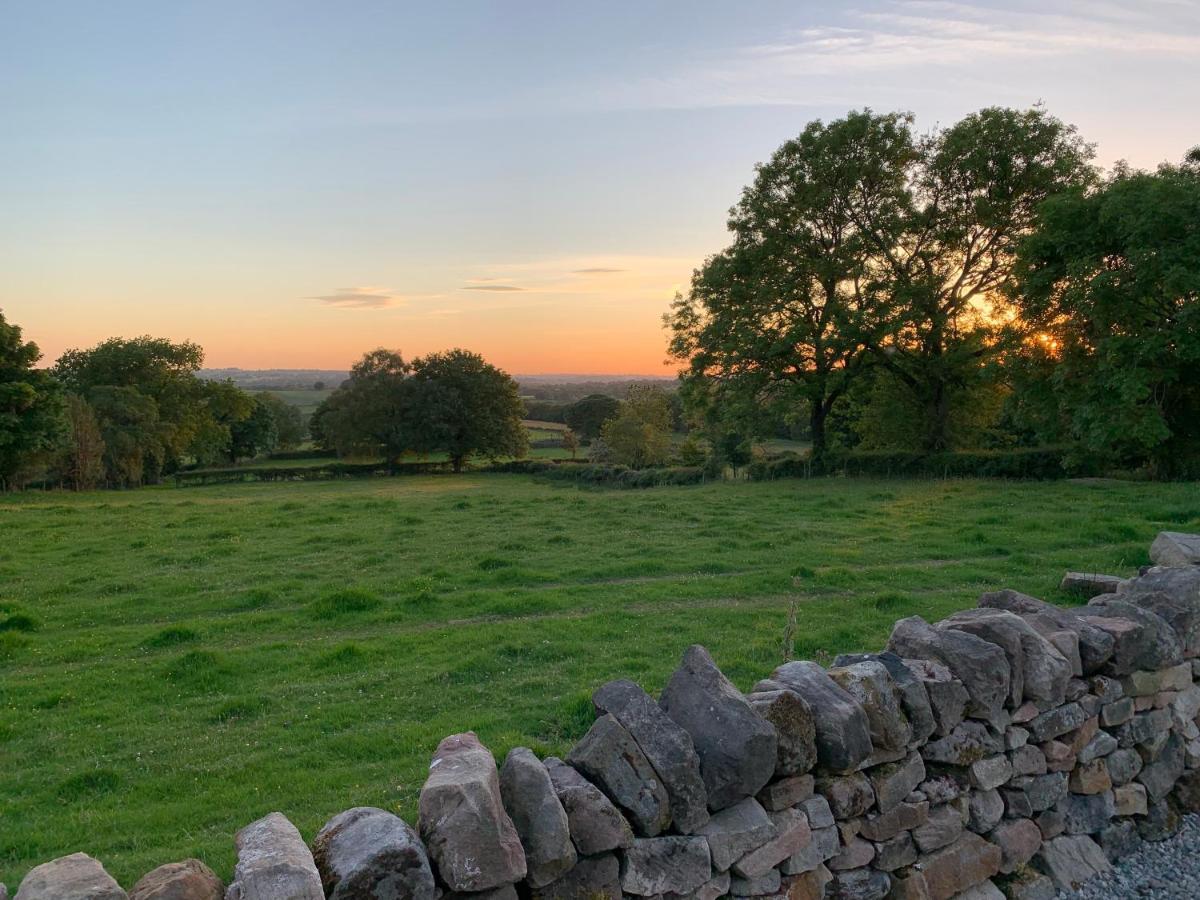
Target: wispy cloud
(360, 298)
(598, 270)
(495, 288)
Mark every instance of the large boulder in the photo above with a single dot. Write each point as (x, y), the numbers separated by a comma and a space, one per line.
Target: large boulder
(843, 731)
(1175, 548)
(914, 698)
(470, 838)
(981, 666)
(609, 757)
(1095, 644)
(1174, 595)
(871, 685)
(538, 815)
(74, 877)
(1038, 671)
(795, 728)
(187, 880)
(737, 746)
(596, 824)
(273, 863)
(366, 853)
(667, 746)
(1142, 639)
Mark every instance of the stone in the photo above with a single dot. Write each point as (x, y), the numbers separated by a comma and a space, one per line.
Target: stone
(1119, 839)
(884, 826)
(595, 823)
(969, 742)
(1098, 747)
(990, 772)
(962, 865)
(467, 833)
(1089, 584)
(854, 854)
(895, 781)
(1174, 596)
(366, 853)
(985, 890)
(985, 810)
(1117, 712)
(895, 852)
(1145, 684)
(1123, 765)
(610, 758)
(1015, 737)
(908, 884)
(1057, 721)
(1186, 793)
(872, 687)
(809, 885)
(792, 834)
(539, 817)
(947, 697)
(1069, 861)
(187, 880)
(1095, 644)
(1042, 791)
(668, 748)
(1050, 823)
(1038, 671)
(1143, 727)
(665, 865)
(1086, 814)
(823, 846)
(843, 732)
(861, 884)
(981, 666)
(1018, 840)
(818, 812)
(795, 728)
(737, 747)
(941, 828)
(1130, 800)
(914, 698)
(735, 831)
(274, 863)
(717, 886)
(1142, 639)
(1028, 760)
(786, 792)
(592, 878)
(1090, 778)
(1160, 822)
(1175, 548)
(78, 877)
(848, 795)
(755, 887)
(1159, 776)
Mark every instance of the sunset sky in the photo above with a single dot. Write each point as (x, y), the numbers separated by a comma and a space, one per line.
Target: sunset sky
(292, 183)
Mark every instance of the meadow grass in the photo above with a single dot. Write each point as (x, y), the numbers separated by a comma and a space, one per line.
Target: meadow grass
(175, 663)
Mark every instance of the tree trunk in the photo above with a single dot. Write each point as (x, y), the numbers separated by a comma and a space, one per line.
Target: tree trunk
(457, 463)
(937, 416)
(816, 425)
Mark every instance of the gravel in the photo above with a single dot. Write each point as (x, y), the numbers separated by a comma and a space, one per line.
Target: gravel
(1166, 870)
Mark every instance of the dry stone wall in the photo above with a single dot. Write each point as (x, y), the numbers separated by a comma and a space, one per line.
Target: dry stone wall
(1011, 750)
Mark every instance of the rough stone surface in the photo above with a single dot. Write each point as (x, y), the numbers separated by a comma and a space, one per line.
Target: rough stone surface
(792, 834)
(1175, 548)
(1095, 644)
(662, 865)
(943, 827)
(1069, 861)
(1119, 839)
(786, 792)
(609, 757)
(735, 831)
(1037, 670)
(369, 854)
(1142, 639)
(843, 732)
(468, 835)
(985, 809)
(1018, 840)
(596, 824)
(736, 746)
(809, 885)
(848, 795)
(79, 877)
(895, 852)
(905, 817)
(1057, 722)
(592, 878)
(1089, 584)
(823, 846)
(274, 863)
(1086, 814)
(962, 865)
(870, 684)
(991, 772)
(187, 880)
(756, 887)
(1160, 775)
(538, 816)
(862, 884)
(854, 854)
(969, 742)
(795, 728)
(914, 698)
(947, 697)
(1123, 765)
(895, 781)
(981, 666)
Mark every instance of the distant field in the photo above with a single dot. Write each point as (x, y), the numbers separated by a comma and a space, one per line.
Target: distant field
(306, 401)
(175, 663)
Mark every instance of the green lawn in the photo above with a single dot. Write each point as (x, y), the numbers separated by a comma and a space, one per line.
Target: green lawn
(175, 663)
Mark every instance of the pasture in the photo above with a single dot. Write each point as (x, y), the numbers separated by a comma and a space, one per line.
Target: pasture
(177, 662)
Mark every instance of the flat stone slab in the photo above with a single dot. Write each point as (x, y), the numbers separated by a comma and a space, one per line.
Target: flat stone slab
(273, 863)
(75, 877)
(1089, 584)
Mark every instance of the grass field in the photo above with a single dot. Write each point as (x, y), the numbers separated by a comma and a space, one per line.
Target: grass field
(175, 663)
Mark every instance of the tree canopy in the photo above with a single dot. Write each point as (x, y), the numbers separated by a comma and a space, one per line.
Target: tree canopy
(31, 405)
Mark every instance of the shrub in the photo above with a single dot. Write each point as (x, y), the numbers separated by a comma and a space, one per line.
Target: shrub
(1036, 463)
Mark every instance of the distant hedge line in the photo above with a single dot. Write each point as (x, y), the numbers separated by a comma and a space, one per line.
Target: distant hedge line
(608, 476)
(1037, 463)
(305, 473)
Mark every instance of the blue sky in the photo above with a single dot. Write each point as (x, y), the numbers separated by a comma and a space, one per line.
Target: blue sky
(293, 183)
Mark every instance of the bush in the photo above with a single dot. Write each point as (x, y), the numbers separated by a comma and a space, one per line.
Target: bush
(1036, 463)
(603, 475)
(305, 473)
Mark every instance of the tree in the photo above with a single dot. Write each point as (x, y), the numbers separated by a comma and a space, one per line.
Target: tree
(587, 416)
(570, 442)
(372, 411)
(289, 423)
(466, 407)
(256, 433)
(1109, 293)
(30, 405)
(84, 450)
(640, 434)
(783, 311)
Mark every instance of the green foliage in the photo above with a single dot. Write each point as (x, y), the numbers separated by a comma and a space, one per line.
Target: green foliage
(587, 416)
(691, 452)
(84, 448)
(640, 434)
(30, 406)
(1027, 463)
(570, 442)
(1110, 299)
